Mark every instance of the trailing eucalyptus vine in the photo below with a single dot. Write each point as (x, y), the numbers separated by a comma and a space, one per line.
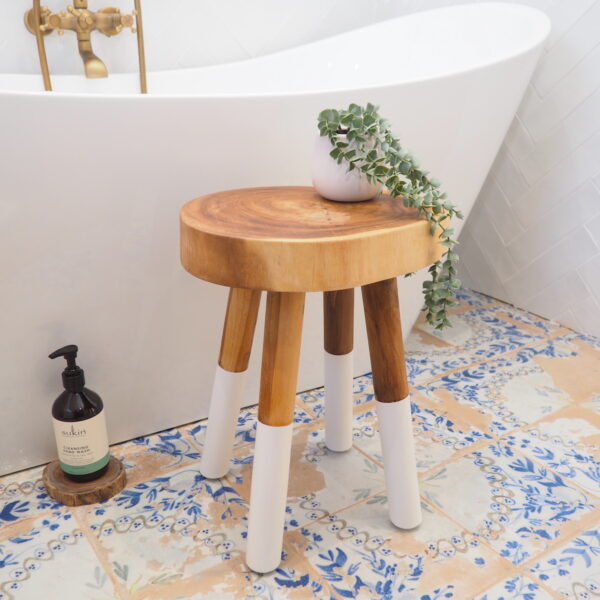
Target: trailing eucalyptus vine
(363, 140)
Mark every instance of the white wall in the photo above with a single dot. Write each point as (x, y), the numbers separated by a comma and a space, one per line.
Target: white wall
(534, 236)
(187, 33)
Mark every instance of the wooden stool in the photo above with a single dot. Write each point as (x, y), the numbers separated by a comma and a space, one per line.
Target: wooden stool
(288, 241)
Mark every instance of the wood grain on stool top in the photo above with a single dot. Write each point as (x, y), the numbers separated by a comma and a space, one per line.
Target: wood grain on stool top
(289, 239)
(386, 347)
(238, 330)
(338, 321)
(281, 355)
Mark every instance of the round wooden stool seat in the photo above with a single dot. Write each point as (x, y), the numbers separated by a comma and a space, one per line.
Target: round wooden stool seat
(290, 239)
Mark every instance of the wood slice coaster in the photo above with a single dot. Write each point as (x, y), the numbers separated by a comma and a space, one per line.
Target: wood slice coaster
(72, 493)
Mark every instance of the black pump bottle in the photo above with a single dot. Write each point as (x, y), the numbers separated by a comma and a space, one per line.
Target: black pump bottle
(79, 424)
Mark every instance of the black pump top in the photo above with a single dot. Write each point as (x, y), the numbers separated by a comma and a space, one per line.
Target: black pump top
(72, 377)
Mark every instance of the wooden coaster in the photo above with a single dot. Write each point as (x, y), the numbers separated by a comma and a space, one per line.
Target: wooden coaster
(72, 493)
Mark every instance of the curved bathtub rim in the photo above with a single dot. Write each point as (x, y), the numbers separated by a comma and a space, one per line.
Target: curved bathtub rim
(299, 93)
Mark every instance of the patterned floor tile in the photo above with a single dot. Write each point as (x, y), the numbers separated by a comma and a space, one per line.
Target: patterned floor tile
(573, 569)
(578, 371)
(184, 537)
(321, 481)
(48, 553)
(471, 299)
(568, 443)
(517, 588)
(157, 537)
(162, 452)
(363, 556)
(23, 496)
(245, 432)
(493, 331)
(502, 394)
(437, 438)
(362, 394)
(520, 508)
(425, 360)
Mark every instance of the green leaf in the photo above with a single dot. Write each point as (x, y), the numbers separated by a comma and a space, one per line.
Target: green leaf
(363, 140)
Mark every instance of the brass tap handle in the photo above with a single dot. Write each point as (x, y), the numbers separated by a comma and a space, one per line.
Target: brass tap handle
(110, 21)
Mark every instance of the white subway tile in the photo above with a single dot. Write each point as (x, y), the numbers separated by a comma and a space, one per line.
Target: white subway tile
(593, 228)
(564, 14)
(573, 89)
(569, 253)
(590, 273)
(587, 314)
(554, 223)
(508, 176)
(498, 210)
(556, 298)
(574, 130)
(568, 50)
(568, 319)
(519, 141)
(578, 167)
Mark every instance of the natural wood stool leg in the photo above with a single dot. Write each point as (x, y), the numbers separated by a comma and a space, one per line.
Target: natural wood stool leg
(338, 318)
(270, 473)
(386, 347)
(228, 386)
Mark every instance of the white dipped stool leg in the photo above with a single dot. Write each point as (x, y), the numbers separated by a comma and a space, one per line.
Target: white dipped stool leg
(270, 472)
(228, 386)
(338, 322)
(268, 493)
(397, 446)
(227, 392)
(338, 401)
(390, 382)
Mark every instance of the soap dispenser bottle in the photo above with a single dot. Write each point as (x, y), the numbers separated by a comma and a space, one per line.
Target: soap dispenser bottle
(79, 424)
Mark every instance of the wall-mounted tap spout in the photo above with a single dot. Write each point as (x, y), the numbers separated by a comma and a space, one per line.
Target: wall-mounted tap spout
(93, 66)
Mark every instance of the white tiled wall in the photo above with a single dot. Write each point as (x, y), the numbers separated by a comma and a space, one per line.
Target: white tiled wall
(533, 238)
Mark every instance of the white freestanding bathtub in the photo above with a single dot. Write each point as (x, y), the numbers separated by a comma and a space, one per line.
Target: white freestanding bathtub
(92, 176)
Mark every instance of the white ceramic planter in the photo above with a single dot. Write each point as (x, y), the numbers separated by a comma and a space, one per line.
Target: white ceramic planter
(334, 182)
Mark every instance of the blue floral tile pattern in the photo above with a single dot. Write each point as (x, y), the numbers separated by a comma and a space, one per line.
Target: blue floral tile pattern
(245, 432)
(517, 588)
(358, 553)
(437, 437)
(50, 552)
(319, 483)
(24, 496)
(506, 419)
(503, 393)
(519, 507)
(314, 401)
(566, 445)
(573, 569)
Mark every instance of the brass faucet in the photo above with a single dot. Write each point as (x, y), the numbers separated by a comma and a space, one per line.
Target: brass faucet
(82, 21)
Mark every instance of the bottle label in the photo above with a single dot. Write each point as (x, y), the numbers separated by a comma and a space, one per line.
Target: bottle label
(82, 445)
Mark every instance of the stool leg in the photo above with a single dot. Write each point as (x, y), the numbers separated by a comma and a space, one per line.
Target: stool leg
(228, 386)
(270, 472)
(382, 313)
(338, 319)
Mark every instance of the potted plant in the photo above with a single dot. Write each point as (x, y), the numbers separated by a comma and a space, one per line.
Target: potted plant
(357, 152)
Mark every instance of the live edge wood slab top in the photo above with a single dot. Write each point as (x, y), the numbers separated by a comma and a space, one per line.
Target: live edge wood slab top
(290, 239)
